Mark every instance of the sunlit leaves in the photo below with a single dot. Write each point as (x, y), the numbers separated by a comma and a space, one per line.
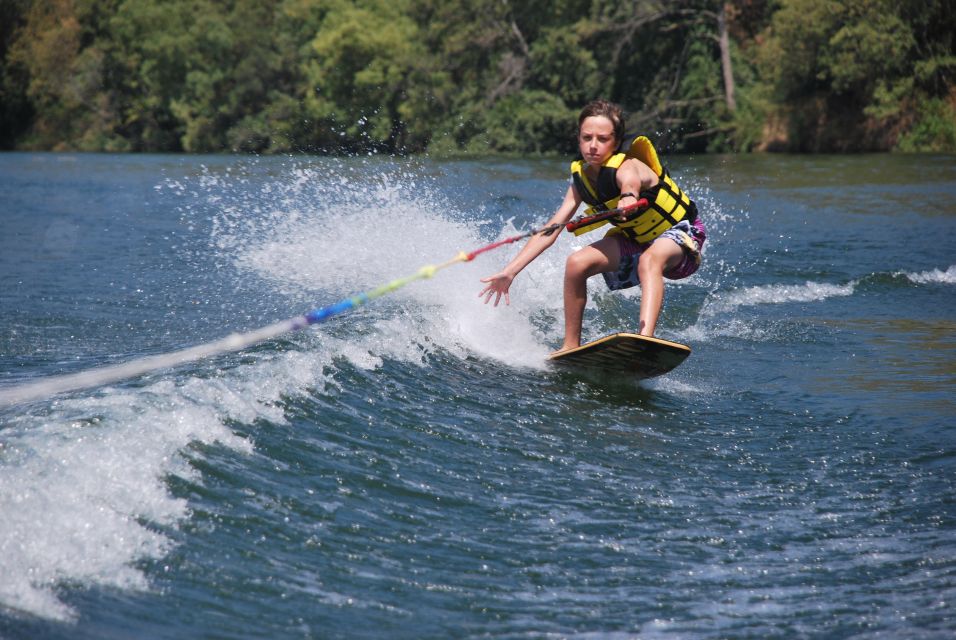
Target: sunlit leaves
(405, 76)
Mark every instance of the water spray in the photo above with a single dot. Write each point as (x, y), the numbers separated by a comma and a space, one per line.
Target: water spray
(95, 377)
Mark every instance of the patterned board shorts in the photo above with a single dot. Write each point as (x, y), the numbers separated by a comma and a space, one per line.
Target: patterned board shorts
(689, 236)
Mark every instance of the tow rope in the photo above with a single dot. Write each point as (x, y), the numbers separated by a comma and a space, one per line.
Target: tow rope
(95, 377)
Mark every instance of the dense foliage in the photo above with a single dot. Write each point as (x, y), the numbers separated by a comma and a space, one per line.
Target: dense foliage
(474, 76)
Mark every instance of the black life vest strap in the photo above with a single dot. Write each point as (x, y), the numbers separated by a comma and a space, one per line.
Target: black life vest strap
(607, 188)
(604, 189)
(584, 190)
(664, 184)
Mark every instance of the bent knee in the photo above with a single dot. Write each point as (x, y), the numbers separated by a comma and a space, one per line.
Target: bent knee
(580, 263)
(651, 263)
(659, 257)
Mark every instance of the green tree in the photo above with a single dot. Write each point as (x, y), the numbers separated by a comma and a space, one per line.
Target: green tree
(207, 76)
(66, 85)
(15, 107)
(562, 66)
(474, 75)
(156, 46)
(371, 78)
(521, 70)
(831, 62)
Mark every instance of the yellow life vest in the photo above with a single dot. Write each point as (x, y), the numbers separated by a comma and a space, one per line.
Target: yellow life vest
(668, 204)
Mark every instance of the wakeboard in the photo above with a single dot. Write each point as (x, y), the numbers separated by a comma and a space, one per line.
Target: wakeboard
(635, 355)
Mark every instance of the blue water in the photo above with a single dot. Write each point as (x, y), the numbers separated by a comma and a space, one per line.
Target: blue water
(413, 469)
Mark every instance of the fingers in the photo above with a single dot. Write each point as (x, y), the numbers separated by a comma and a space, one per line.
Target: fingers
(492, 290)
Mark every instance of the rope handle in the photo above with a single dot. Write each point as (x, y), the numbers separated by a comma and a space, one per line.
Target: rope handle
(624, 213)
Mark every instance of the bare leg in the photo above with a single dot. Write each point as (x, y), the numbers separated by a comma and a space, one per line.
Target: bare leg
(603, 255)
(659, 257)
(575, 299)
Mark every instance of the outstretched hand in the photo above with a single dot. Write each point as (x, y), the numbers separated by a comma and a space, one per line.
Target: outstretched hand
(498, 285)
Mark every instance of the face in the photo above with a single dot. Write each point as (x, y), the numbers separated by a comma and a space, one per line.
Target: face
(596, 140)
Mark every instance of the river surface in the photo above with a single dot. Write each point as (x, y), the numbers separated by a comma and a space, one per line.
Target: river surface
(412, 468)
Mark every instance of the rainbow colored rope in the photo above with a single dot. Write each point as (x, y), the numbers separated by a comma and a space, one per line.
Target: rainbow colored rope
(104, 375)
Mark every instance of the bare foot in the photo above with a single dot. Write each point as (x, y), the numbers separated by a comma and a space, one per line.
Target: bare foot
(564, 348)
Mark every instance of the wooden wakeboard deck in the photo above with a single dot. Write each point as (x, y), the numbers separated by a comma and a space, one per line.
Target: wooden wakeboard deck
(640, 356)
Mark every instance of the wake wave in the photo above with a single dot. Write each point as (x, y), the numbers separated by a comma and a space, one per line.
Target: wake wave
(77, 492)
(934, 276)
(774, 294)
(720, 314)
(82, 484)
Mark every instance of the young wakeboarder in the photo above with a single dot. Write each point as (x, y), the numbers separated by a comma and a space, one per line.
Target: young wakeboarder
(645, 244)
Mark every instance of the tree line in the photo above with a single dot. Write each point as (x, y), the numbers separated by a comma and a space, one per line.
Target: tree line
(474, 76)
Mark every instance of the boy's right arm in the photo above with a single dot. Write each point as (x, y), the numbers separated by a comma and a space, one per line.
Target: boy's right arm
(500, 283)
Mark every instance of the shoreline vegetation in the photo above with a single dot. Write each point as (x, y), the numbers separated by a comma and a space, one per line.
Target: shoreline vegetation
(474, 77)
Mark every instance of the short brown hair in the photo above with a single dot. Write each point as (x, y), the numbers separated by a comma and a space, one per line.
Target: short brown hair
(607, 109)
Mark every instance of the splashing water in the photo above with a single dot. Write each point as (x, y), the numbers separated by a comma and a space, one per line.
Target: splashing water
(85, 496)
(411, 457)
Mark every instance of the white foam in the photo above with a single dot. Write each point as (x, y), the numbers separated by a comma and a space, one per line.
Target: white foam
(325, 248)
(82, 484)
(82, 480)
(76, 494)
(775, 294)
(720, 313)
(934, 276)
